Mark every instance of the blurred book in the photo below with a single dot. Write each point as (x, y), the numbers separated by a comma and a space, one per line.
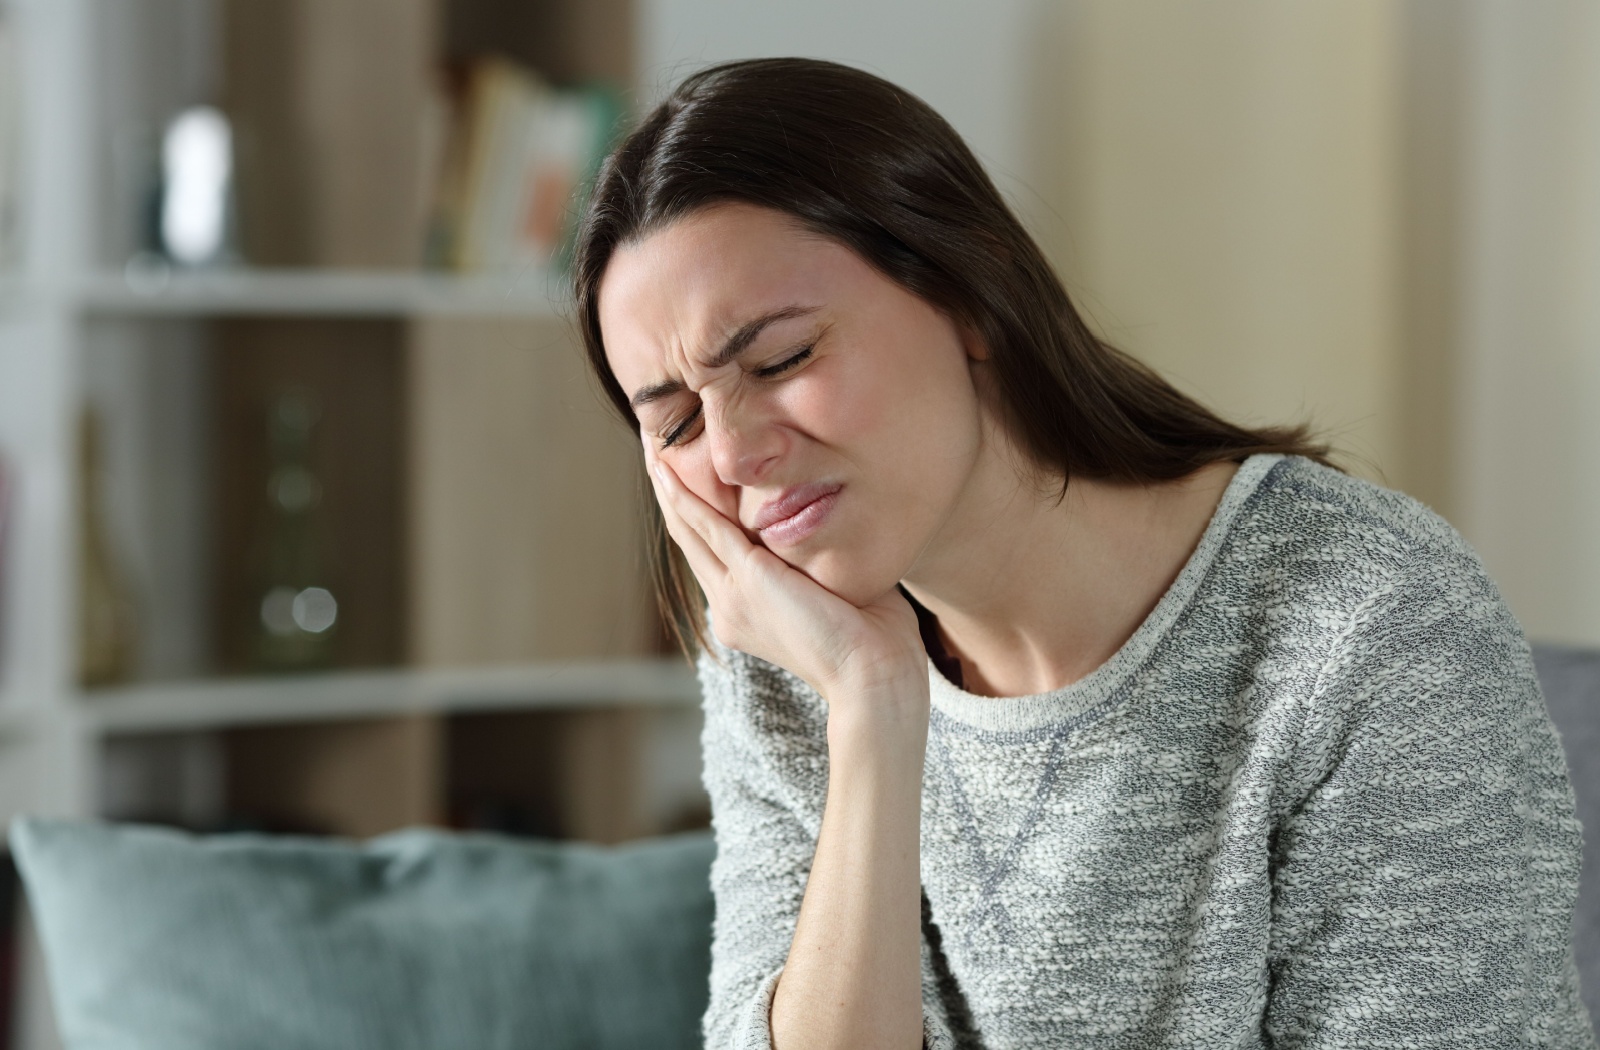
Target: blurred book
(10, 147)
(519, 158)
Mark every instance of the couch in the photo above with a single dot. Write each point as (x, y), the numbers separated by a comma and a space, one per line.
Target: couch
(425, 940)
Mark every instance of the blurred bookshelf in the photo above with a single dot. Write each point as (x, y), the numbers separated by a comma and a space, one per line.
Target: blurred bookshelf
(483, 510)
(318, 293)
(327, 531)
(646, 683)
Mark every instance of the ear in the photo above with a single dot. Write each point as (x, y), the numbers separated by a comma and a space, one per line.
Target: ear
(975, 346)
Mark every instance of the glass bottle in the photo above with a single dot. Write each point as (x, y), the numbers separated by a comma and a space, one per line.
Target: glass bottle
(296, 613)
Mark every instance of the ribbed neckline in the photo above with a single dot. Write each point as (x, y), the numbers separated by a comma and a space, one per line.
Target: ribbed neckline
(1020, 713)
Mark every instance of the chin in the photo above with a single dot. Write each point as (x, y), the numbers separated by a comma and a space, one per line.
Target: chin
(856, 579)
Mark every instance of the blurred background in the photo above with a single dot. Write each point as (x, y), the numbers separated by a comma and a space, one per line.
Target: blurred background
(311, 521)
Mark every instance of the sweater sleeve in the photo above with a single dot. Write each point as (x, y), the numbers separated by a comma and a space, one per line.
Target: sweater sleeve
(1423, 888)
(765, 760)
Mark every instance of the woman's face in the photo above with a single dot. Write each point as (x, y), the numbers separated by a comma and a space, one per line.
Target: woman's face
(808, 398)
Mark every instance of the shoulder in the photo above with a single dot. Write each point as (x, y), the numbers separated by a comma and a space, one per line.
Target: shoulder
(1357, 529)
(1414, 644)
(1369, 560)
(1322, 553)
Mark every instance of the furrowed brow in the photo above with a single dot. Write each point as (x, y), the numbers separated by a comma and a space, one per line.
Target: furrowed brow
(740, 340)
(655, 392)
(736, 344)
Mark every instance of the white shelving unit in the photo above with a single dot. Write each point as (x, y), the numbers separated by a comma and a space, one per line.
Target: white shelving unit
(344, 695)
(167, 293)
(39, 326)
(46, 311)
(46, 757)
(54, 317)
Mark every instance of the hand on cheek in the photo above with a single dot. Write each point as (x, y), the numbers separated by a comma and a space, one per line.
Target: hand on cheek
(763, 606)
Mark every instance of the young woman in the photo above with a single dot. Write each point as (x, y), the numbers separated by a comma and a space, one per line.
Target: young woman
(1044, 708)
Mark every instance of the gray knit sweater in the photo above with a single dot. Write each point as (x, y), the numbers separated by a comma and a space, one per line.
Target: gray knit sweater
(1314, 801)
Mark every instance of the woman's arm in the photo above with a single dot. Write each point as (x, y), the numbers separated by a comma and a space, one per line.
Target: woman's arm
(853, 973)
(1423, 889)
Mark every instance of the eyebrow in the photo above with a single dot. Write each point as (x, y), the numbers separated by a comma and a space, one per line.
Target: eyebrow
(736, 344)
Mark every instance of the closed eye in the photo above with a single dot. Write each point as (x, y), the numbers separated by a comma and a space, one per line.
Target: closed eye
(681, 431)
(787, 363)
(676, 433)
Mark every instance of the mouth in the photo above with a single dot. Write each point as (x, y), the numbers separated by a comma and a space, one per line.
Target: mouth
(796, 513)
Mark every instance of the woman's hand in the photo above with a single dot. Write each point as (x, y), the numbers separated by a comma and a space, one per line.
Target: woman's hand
(852, 974)
(763, 606)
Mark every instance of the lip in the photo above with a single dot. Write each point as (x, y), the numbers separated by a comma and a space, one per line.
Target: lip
(796, 513)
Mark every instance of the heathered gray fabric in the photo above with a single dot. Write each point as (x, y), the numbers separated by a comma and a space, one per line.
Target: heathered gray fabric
(1314, 801)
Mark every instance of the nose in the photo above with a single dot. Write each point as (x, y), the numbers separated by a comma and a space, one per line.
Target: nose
(744, 446)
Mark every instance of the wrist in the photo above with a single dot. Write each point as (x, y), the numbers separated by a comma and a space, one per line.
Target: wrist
(878, 716)
(896, 679)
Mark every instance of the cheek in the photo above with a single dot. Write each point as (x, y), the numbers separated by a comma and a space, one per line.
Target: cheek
(904, 417)
(694, 468)
(824, 407)
(852, 400)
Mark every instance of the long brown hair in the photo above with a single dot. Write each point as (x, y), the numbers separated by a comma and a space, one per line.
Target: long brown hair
(855, 158)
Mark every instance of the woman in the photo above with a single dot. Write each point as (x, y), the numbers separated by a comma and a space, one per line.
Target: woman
(1044, 708)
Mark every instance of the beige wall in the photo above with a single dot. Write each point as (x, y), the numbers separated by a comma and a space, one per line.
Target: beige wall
(1383, 215)
(1528, 431)
(1219, 186)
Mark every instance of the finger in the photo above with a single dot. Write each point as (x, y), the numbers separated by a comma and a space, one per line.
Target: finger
(707, 567)
(752, 586)
(725, 538)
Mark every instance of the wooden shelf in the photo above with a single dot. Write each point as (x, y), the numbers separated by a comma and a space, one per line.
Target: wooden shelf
(328, 293)
(224, 703)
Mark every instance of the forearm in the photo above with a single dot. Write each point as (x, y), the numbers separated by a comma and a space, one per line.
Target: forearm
(853, 976)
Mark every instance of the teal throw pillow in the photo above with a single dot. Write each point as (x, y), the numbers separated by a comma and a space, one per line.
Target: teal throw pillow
(419, 940)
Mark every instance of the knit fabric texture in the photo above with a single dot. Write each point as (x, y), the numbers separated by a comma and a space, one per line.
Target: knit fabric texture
(1314, 801)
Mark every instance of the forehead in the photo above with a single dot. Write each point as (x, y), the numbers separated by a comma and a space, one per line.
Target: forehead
(680, 290)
